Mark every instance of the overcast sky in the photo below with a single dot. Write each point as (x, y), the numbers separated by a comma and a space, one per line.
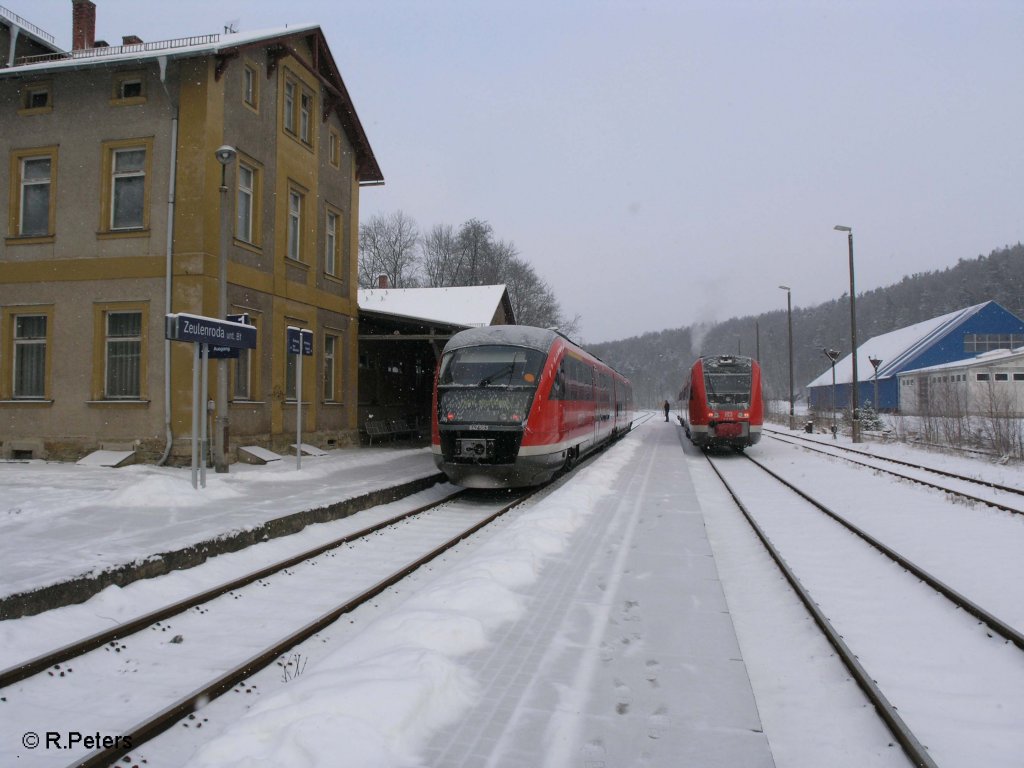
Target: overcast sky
(668, 162)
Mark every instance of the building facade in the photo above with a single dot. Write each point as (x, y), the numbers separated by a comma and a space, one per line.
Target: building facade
(115, 219)
(950, 337)
(989, 384)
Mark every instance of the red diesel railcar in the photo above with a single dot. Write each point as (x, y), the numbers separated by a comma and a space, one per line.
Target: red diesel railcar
(513, 405)
(721, 403)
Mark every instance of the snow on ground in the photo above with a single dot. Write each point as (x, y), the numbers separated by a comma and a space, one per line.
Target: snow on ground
(63, 520)
(380, 697)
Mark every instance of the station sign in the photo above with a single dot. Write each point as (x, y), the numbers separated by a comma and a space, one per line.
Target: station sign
(229, 353)
(209, 330)
(300, 341)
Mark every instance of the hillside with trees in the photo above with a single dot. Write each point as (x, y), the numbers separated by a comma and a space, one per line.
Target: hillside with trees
(656, 361)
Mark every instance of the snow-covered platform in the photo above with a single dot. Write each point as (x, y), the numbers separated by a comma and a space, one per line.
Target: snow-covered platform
(68, 531)
(625, 653)
(588, 627)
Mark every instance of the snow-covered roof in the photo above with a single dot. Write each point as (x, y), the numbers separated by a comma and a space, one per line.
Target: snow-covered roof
(226, 45)
(993, 356)
(895, 348)
(516, 335)
(183, 47)
(470, 306)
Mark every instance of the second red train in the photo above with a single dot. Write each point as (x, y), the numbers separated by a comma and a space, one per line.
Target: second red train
(721, 404)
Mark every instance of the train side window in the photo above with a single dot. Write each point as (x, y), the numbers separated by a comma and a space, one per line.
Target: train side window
(558, 385)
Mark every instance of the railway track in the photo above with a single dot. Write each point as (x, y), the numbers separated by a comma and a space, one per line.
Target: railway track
(999, 497)
(807, 540)
(362, 565)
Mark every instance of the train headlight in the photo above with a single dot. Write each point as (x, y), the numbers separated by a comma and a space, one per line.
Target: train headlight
(745, 415)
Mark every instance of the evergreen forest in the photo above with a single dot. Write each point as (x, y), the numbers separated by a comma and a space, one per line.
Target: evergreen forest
(657, 361)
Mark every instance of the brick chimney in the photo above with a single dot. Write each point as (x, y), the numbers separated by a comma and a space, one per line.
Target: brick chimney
(83, 24)
(382, 281)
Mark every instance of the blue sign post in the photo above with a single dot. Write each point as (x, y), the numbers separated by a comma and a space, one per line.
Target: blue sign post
(205, 333)
(300, 343)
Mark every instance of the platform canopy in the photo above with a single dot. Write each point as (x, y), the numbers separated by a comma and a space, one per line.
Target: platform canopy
(472, 306)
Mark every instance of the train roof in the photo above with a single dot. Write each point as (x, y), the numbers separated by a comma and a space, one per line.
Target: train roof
(518, 335)
(740, 360)
(527, 336)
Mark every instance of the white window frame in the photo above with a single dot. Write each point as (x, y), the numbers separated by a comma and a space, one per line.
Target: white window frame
(21, 343)
(305, 108)
(289, 106)
(116, 176)
(242, 389)
(249, 85)
(108, 339)
(245, 201)
(331, 243)
(330, 373)
(295, 203)
(26, 183)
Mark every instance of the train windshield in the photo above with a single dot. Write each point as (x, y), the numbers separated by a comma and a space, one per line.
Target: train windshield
(491, 384)
(727, 380)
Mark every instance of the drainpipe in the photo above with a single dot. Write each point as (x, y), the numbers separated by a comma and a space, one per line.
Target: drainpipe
(169, 264)
(15, 31)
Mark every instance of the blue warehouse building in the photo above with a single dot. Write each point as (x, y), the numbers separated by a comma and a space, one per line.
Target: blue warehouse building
(955, 336)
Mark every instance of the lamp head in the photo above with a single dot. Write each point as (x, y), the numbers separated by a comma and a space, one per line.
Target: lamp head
(225, 154)
(784, 287)
(841, 228)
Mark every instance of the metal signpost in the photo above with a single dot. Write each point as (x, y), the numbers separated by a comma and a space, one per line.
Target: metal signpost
(205, 333)
(300, 343)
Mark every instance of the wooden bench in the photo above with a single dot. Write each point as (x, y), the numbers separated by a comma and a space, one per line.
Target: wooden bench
(382, 428)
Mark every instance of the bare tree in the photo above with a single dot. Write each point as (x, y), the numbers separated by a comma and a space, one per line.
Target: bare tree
(440, 257)
(387, 246)
(475, 246)
(998, 425)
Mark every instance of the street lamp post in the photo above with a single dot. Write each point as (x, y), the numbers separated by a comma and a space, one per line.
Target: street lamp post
(875, 362)
(789, 321)
(832, 356)
(853, 336)
(225, 156)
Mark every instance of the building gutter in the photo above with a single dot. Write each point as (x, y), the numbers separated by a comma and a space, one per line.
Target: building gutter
(169, 265)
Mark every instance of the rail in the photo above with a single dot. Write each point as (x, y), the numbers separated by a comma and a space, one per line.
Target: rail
(118, 50)
(828, 449)
(27, 25)
(916, 751)
(156, 724)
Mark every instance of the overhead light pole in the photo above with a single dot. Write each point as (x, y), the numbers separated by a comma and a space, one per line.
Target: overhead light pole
(875, 362)
(226, 157)
(789, 321)
(853, 336)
